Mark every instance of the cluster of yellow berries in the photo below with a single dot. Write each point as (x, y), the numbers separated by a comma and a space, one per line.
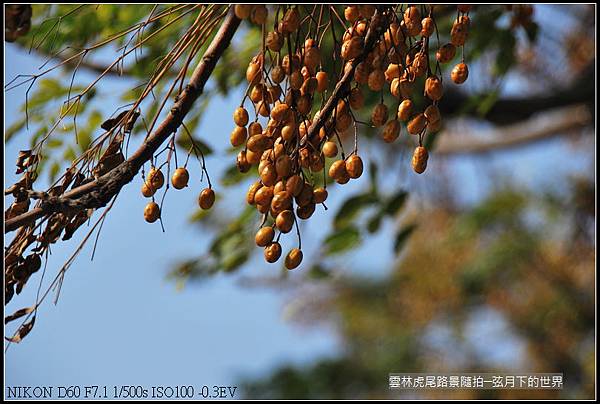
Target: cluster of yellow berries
(401, 57)
(286, 78)
(287, 139)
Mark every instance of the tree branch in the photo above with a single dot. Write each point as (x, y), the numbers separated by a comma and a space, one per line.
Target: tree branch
(98, 193)
(67, 61)
(98, 68)
(376, 29)
(510, 110)
(558, 122)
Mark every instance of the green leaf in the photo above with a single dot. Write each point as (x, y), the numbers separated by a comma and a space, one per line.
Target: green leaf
(234, 235)
(78, 109)
(352, 207)
(375, 222)
(373, 170)
(84, 135)
(231, 243)
(54, 143)
(233, 260)
(486, 104)
(199, 215)
(395, 202)
(54, 169)
(232, 176)
(42, 130)
(402, 236)
(192, 121)
(94, 120)
(48, 89)
(430, 140)
(69, 154)
(184, 141)
(318, 272)
(197, 269)
(14, 129)
(505, 58)
(342, 240)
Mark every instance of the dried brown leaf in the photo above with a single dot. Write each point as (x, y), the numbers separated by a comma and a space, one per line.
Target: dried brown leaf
(22, 331)
(18, 314)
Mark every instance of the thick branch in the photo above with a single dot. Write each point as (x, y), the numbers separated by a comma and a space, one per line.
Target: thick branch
(561, 121)
(515, 109)
(98, 193)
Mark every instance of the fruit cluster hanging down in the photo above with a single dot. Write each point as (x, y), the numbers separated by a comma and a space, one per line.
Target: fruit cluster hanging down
(291, 118)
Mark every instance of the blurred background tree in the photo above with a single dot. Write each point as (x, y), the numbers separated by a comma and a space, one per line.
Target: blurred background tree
(486, 289)
(518, 253)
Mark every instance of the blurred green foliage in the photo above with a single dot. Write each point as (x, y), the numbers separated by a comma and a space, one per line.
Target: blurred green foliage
(537, 277)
